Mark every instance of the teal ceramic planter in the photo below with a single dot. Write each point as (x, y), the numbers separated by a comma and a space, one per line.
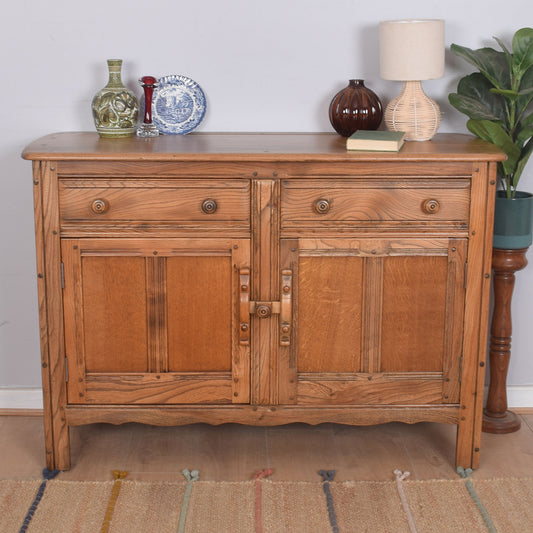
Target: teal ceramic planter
(512, 221)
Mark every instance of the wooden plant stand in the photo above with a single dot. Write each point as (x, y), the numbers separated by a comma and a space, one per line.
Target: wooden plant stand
(496, 417)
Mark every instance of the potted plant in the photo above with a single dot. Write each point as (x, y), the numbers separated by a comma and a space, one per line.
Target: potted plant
(498, 101)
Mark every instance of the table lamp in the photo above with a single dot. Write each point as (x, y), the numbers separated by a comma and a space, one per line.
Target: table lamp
(411, 51)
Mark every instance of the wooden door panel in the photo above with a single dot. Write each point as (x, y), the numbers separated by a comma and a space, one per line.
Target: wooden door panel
(329, 314)
(199, 306)
(114, 314)
(414, 313)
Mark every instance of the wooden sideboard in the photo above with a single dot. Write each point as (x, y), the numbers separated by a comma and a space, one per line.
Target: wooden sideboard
(262, 279)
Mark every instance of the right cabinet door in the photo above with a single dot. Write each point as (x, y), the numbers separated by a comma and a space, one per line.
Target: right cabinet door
(373, 320)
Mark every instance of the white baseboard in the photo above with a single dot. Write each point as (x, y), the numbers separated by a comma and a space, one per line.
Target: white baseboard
(21, 398)
(518, 396)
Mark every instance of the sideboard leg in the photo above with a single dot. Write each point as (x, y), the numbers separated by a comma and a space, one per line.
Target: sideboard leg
(463, 448)
(62, 450)
(57, 439)
(496, 417)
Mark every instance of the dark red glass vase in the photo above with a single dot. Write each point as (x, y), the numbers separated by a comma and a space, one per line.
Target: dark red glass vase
(147, 128)
(148, 83)
(356, 107)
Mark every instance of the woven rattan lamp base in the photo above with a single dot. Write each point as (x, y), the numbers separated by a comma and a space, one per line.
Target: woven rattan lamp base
(414, 112)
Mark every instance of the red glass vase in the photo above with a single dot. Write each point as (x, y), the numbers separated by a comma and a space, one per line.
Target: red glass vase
(354, 108)
(147, 128)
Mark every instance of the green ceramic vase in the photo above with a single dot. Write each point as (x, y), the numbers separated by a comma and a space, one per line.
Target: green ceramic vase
(513, 221)
(115, 108)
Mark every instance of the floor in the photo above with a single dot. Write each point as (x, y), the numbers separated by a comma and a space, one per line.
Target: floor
(235, 452)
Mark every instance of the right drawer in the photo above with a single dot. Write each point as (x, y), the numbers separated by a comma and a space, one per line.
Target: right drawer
(315, 202)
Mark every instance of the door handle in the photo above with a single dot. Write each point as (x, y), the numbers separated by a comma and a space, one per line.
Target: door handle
(285, 313)
(244, 306)
(265, 309)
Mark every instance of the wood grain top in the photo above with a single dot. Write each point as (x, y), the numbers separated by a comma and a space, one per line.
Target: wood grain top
(250, 147)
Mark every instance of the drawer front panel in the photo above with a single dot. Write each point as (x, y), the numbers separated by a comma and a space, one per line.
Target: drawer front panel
(198, 202)
(311, 204)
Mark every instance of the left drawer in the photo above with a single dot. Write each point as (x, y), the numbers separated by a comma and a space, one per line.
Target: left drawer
(152, 200)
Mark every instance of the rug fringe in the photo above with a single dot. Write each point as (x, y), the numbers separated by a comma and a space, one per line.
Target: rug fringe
(327, 476)
(400, 476)
(258, 476)
(465, 474)
(47, 475)
(118, 476)
(191, 476)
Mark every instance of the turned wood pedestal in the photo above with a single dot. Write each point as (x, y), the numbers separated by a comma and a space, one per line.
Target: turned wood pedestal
(496, 417)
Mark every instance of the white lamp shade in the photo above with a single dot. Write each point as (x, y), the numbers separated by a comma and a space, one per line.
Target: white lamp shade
(411, 50)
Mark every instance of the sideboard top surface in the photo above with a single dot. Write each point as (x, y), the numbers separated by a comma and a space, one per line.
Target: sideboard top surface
(282, 147)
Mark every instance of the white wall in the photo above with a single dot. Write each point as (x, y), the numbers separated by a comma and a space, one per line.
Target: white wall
(264, 66)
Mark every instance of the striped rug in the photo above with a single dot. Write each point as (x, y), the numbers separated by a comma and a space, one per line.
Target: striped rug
(262, 505)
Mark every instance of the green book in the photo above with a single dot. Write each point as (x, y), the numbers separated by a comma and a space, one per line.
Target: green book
(384, 141)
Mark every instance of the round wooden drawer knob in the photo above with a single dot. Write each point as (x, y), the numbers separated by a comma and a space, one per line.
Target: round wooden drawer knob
(209, 206)
(322, 206)
(99, 206)
(430, 206)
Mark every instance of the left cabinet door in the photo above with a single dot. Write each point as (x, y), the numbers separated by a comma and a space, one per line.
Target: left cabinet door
(155, 321)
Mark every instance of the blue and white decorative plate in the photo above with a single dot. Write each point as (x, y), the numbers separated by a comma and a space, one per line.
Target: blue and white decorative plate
(178, 105)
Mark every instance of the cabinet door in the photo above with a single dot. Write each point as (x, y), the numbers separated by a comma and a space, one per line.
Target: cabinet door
(155, 321)
(374, 321)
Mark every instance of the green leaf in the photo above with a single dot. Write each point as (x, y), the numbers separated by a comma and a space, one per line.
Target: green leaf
(525, 130)
(495, 134)
(527, 80)
(471, 107)
(523, 135)
(526, 91)
(506, 51)
(524, 158)
(528, 121)
(491, 63)
(522, 52)
(475, 99)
